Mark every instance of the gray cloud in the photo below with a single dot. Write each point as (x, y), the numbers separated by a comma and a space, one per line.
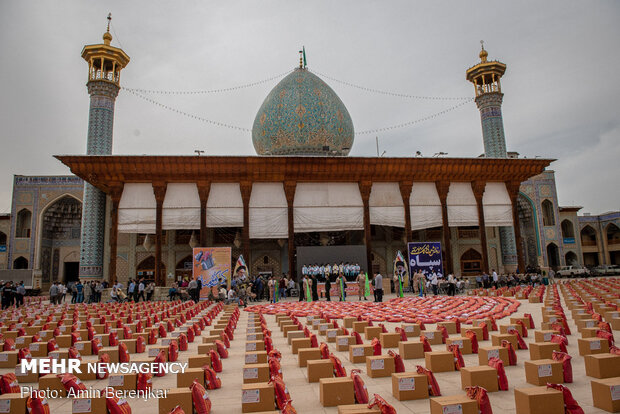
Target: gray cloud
(561, 84)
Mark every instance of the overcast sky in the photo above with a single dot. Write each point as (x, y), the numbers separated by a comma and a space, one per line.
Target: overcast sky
(561, 86)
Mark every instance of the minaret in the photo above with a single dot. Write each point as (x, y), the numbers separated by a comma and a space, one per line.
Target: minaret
(104, 70)
(486, 77)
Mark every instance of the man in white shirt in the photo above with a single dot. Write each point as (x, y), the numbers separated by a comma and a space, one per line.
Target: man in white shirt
(495, 279)
(434, 282)
(378, 287)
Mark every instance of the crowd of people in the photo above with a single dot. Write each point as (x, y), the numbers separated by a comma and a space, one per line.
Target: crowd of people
(12, 294)
(322, 272)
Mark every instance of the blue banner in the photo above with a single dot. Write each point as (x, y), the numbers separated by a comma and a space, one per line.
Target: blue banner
(569, 240)
(425, 257)
(2, 248)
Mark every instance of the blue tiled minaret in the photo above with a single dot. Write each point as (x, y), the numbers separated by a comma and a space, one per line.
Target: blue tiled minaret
(486, 79)
(104, 69)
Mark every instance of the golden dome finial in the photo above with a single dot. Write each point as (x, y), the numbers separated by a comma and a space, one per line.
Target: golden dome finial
(483, 53)
(301, 59)
(107, 37)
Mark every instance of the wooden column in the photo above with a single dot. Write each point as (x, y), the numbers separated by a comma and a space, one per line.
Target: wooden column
(289, 191)
(405, 193)
(513, 192)
(478, 189)
(442, 190)
(246, 192)
(160, 193)
(116, 192)
(203, 193)
(365, 188)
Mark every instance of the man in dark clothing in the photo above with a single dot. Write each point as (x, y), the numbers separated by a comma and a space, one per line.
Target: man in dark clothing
(315, 291)
(328, 285)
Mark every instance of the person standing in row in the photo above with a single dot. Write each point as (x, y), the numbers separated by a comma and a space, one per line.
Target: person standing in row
(361, 286)
(378, 287)
(328, 286)
(315, 289)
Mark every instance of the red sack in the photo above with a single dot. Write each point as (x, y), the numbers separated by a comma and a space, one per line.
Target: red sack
(226, 341)
(458, 356)
(306, 332)
(160, 359)
(215, 361)
(221, 349)
(339, 370)
(560, 340)
(570, 405)
(493, 324)
(520, 342)
(444, 333)
(190, 335)
(51, 345)
(361, 393)
(480, 395)
(145, 382)
(383, 406)
(281, 392)
(162, 331)
(267, 340)
(75, 337)
(614, 350)
(113, 341)
(56, 332)
(116, 406)
(529, 315)
(558, 327)
(512, 355)
(474, 340)
(152, 337)
(123, 352)
(212, 381)
(604, 326)
(324, 350)
(523, 327)
(275, 369)
(403, 334)
(422, 326)
(73, 353)
(173, 351)
(288, 408)
(91, 333)
(358, 338)
(502, 379)
(24, 353)
(9, 384)
(485, 331)
(457, 322)
(433, 386)
(565, 359)
(275, 354)
(383, 328)
(36, 405)
(140, 345)
(200, 398)
(399, 365)
(72, 383)
(96, 346)
(606, 335)
(376, 346)
(103, 359)
(169, 326)
(313, 341)
(425, 344)
(127, 333)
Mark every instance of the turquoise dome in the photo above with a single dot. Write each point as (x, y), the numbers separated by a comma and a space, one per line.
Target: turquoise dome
(302, 115)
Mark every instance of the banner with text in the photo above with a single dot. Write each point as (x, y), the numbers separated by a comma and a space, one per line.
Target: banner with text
(212, 266)
(426, 257)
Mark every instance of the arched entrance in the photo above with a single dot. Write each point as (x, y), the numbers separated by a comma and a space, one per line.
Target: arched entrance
(146, 269)
(553, 256)
(568, 230)
(571, 259)
(20, 263)
(184, 268)
(23, 224)
(589, 246)
(528, 222)
(613, 243)
(471, 263)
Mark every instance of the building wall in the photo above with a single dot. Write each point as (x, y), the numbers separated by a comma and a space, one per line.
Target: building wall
(571, 244)
(5, 227)
(607, 251)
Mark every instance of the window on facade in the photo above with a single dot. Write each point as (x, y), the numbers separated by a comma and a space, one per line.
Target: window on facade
(588, 236)
(547, 211)
(24, 219)
(568, 230)
(20, 263)
(2, 239)
(265, 260)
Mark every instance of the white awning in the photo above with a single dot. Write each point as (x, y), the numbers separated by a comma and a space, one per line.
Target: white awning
(328, 207)
(181, 209)
(497, 205)
(425, 206)
(386, 205)
(225, 205)
(268, 211)
(462, 208)
(136, 209)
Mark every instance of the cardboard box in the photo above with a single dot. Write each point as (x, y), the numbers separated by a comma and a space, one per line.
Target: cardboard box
(255, 346)
(371, 332)
(294, 335)
(544, 336)
(308, 354)
(380, 366)
(589, 332)
(8, 359)
(482, 375)
(52, 382)
(539, 400)
(320, 368)
(22, 342)
(433, 337)
(588, 346)
(288, 328)
(256, 398)
(336, 391)
(256, 357)
(130, 343)
(203, 349)
(85, 375)
(13, 403)
(177, 396)
(210, 339)
(450, 326)
(297, 344)
(505, 328)
(439, 361)
(411, 349)
(104, 338)
(586, 323)
(185, 379)
(542, 371)
(323, 327)
(463, 342)
(357, 409)
(198, 361)
(25, 376)
(477, 330)
(124, 381)
(253, 373)
(496, 340)
(389, 340)
(454, 404)
(89, 405)
(348, 321)
(359, 326)
(332, 334)
(606, 394)
(602, 365)
(411, 329)
(526, 321)
(343, 342)
(358, 353)
(542, 350)
(153, 350)
(63, 341)
(84, 347)
(486, 353)
(38, 349)
(409, 386)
